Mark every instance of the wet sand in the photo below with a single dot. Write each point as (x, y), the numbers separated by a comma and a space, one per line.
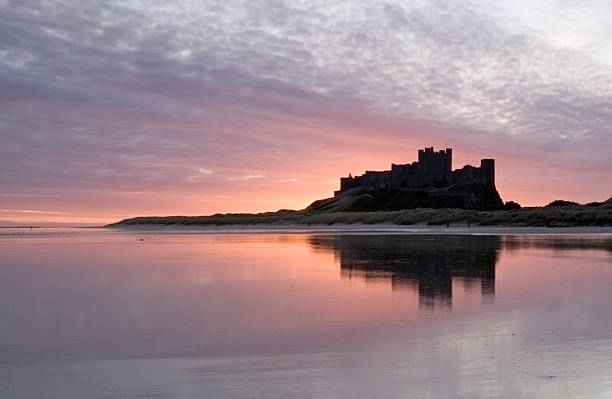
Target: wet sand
(193, 313)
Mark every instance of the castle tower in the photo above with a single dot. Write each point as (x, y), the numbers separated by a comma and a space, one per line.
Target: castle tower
(435, 166)
(436, 161)
(488, 168)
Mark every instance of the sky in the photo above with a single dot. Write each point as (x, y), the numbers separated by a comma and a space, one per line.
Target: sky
(123, 108)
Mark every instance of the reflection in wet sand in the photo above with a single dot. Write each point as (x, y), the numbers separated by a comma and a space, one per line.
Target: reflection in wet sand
(421, 263)
(430, 264)
(558, 243)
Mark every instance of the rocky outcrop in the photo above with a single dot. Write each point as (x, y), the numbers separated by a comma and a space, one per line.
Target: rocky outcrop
(469, 196)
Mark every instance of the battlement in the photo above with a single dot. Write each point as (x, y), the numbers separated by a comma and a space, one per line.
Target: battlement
(433, 169)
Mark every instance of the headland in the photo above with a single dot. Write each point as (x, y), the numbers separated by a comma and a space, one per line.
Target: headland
(425, 192)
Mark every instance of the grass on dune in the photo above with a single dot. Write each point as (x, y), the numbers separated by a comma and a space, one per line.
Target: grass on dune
(557, 216)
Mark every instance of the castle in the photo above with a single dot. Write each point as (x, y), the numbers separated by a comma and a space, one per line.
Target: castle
(433, 169)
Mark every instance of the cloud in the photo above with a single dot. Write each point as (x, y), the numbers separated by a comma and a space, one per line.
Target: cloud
(33, 211)
(128, 96)
(246, 177)
(201, 173)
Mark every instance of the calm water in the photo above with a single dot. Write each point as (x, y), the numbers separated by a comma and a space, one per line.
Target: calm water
(99, 314)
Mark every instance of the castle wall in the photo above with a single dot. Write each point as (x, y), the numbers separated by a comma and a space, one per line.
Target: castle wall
(405, 176)
(377, 180)
(485, 174)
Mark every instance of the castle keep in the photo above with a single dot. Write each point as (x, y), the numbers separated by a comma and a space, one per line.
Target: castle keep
(433, 169)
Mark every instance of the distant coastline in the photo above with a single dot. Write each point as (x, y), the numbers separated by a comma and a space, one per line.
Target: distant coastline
(566, 215)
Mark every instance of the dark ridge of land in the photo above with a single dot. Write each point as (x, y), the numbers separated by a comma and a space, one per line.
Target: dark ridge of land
(556, 214)
(473, 196)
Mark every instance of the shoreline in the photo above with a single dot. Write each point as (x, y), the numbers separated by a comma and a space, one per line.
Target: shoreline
(360, 228)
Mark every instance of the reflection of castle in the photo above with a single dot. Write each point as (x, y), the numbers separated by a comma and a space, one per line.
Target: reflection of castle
(425, 263)
(434, 169)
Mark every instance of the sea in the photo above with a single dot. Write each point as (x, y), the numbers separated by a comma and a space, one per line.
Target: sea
(179, 313)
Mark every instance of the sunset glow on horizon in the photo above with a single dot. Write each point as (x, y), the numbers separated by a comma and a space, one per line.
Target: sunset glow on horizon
(132, 108)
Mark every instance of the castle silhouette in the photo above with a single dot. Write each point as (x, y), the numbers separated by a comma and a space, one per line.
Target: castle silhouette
(433, 169)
